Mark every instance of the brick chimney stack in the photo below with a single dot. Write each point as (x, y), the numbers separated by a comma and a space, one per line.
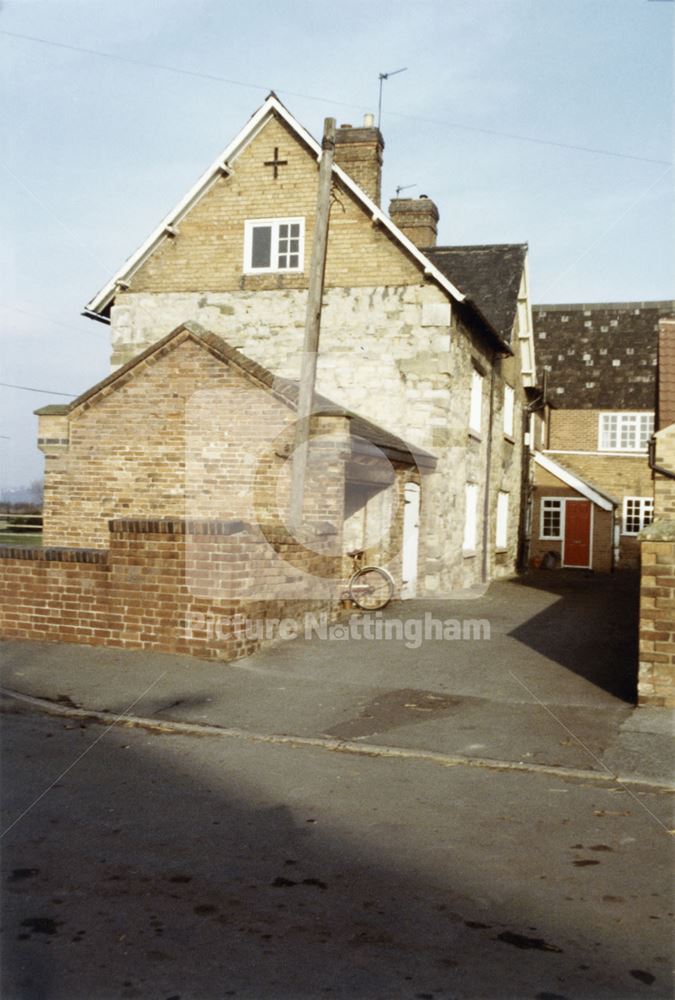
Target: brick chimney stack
(417, 218)
(359, 152)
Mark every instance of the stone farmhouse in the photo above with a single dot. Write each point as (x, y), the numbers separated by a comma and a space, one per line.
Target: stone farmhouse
(432, 343)
(593, 488)
(166, 484)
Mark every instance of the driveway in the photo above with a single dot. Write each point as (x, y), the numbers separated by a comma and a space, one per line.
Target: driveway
(552, 684)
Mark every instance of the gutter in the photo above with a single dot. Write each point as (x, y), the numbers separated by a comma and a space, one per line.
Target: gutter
(488, 471)
(88, 314)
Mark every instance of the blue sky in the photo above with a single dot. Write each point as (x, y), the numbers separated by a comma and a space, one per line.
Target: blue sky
(96, 150)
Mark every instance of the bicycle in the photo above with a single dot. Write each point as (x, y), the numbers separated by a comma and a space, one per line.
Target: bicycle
(370, 587)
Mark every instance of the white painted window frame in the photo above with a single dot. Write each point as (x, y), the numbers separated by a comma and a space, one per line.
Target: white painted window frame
(476, 401)
(560, 501)
(274, 224)
(502, 527)
(621, 416)
(470, 518)
(509, 410)
(645, 510)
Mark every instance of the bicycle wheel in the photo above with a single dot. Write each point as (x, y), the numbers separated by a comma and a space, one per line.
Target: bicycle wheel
(371, 588)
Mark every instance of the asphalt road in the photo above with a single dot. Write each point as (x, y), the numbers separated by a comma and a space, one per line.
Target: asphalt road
(153, 866)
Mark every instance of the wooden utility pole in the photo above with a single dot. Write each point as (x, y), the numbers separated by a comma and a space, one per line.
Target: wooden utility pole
(312, 325)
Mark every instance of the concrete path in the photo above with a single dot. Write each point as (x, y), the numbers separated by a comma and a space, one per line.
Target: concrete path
(553, 685)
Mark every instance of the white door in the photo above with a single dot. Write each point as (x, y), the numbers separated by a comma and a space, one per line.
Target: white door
(411, 528)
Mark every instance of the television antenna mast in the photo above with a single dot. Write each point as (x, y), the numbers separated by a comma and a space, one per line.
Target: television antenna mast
(382, 78)
(404, 187)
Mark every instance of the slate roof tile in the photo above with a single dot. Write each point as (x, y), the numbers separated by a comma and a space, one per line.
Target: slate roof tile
(614, 344)
(489, 275)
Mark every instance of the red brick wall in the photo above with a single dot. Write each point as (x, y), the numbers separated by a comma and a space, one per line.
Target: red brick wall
(602, 529)
(168, 585)
(184, 436)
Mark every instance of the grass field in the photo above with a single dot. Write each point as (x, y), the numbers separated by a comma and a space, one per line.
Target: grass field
(21, 538)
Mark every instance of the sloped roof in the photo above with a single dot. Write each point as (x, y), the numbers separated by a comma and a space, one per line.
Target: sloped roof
(575, 481)
(99, 306)
(272, 106)
(666, 373)
(366, 435)
(599, 355)
(489, 275)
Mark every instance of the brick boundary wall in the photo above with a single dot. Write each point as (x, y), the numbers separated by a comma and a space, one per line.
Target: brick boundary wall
(656, 675)
(170, 585)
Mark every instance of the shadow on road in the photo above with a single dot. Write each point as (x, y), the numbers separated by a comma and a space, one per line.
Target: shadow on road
(173, 868)
(592, 629)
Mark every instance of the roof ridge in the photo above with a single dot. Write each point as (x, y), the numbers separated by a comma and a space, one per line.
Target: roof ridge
(645, 304)
(477, 246)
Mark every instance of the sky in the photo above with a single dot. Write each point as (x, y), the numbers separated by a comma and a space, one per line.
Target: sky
(539, 121)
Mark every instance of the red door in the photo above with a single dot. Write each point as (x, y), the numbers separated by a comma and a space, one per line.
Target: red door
(577, 544)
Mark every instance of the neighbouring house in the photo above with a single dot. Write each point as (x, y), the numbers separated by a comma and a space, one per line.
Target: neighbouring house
(592, 486)
(656, 676)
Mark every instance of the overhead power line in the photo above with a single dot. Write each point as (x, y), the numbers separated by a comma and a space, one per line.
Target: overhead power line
(328, 100)
(31, 388)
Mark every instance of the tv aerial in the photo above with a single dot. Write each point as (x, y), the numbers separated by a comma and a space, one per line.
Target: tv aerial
(382, 78)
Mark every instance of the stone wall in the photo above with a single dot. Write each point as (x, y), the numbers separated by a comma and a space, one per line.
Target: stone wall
(656, 676)
(175, 586)
(390, 348)
(395, 355)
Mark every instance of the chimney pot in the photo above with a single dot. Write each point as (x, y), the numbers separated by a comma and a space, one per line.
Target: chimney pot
(368, 120)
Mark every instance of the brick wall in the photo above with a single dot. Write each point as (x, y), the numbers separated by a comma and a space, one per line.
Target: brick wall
(656, 676)
(175, 586)
(617, 475)
(208, 251)
(548, 486)
(185, 435)
(664, 487)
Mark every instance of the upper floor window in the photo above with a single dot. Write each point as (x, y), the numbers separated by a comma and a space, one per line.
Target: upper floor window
(274, 245)
(625, 431)
(638, 512)
(476, 404)
(509, 396)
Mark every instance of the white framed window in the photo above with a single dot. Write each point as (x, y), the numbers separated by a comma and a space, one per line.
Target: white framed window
(274, 245)
(551, 518)
(638, 512)
(501, 534)
(476, 403)
(625, 431)
(509, 397)
(470, 517)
